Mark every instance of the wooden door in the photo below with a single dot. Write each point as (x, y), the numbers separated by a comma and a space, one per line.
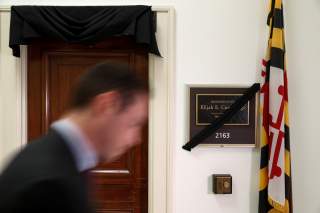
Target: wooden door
(53, 67)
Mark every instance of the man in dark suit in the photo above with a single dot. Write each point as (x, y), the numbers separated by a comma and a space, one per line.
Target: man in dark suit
(109, 106)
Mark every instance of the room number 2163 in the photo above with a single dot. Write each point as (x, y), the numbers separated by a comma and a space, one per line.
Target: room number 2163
(223, 135)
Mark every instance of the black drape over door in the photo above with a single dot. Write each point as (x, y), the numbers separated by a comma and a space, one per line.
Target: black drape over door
(81, 24)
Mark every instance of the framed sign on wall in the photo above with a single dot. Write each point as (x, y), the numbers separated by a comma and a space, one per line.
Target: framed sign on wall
(207, 103)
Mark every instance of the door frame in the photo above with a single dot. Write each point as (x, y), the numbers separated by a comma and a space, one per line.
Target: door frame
(161, 105)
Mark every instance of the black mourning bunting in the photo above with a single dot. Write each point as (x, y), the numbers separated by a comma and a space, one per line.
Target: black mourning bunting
(81, 24)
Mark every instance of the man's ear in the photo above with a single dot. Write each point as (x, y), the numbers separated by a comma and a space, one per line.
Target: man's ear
(106, 103)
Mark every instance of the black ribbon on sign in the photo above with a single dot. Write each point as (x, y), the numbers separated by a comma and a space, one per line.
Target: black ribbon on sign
(227, 115)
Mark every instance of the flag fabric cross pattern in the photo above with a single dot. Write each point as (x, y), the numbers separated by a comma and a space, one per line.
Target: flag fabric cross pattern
(275, 190)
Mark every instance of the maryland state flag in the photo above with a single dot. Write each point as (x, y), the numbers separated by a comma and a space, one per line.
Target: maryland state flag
(275, 194)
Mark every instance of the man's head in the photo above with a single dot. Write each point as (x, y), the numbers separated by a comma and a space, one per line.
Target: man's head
(111, 106)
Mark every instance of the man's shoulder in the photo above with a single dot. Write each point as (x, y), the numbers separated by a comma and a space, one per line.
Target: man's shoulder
(43, 194)
(44, 158)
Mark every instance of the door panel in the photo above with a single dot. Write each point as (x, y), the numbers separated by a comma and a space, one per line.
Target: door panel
(53, 68)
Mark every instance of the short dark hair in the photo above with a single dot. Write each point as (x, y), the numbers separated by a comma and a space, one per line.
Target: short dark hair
(106, 77)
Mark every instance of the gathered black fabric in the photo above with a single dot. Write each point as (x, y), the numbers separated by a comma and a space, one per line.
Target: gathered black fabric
(81, 24)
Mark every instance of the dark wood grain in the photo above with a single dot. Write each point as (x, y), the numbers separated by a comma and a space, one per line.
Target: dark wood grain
(53, 68)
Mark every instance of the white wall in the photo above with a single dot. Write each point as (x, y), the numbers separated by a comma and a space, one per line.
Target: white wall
(303, 45)
(223, 42)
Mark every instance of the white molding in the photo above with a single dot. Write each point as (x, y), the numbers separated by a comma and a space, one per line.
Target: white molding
(166, 9)
(171, 106)
(5, 8)
(160, 163)
(161, 122)
(12, 107)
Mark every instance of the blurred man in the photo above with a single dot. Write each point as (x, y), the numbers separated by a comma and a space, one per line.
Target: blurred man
(109, 107)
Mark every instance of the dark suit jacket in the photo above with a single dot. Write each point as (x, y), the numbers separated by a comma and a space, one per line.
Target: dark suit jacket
(43, 178)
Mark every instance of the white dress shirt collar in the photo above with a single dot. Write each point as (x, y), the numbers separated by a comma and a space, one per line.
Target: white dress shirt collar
(83, 153)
